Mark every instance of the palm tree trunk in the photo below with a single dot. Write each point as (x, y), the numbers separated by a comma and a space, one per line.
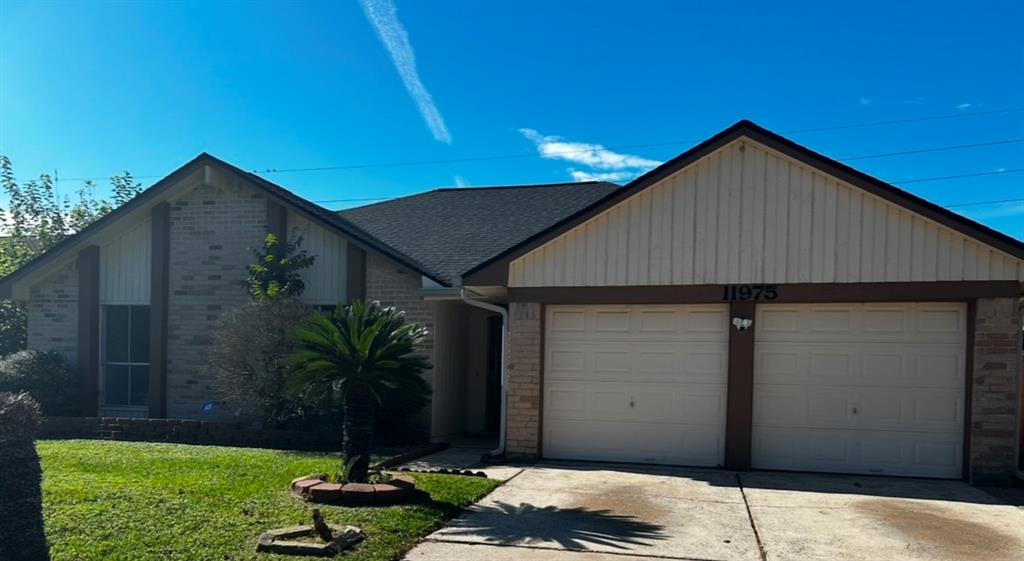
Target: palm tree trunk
(358, 431)
(21, 502)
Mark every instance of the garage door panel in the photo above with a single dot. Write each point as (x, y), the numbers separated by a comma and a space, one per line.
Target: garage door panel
(695, 404)
(926, 410)
(911, 454)
(637, 323)
(878, 323)
(897, 365)
(860, 388)
(634, 442)
(654, 362)
(636, 383)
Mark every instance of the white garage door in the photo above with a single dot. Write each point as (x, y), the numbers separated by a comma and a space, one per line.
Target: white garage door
(860, 388)
(636, 383)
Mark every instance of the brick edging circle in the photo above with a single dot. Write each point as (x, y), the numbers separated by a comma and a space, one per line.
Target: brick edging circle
(317, 490)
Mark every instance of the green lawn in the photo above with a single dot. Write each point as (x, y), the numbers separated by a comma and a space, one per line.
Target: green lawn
(146, 501)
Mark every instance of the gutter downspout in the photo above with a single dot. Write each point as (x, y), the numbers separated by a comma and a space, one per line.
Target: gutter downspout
(500, 450)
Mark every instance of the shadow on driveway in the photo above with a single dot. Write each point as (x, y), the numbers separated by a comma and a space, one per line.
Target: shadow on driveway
(570, 528)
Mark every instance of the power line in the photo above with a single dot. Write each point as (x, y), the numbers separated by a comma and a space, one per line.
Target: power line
(626, 146)
(938, 149)
(985, 203)
(945, 177)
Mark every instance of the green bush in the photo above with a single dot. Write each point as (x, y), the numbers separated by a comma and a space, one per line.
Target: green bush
(46, 376)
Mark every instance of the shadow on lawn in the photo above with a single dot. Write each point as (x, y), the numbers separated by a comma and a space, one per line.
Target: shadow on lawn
(571, 528)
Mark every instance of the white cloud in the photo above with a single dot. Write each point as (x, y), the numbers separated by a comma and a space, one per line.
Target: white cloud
(460, 182)
(578, 175)
(384, 18)
(865, 101)
(968, 105)
(592, 155)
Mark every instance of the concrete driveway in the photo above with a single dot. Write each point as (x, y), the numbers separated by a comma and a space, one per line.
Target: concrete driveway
(588, 512)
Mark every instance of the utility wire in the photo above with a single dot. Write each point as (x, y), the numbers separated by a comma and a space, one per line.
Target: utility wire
(630, 146)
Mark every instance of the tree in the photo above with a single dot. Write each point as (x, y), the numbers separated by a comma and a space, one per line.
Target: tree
(275, 274)
(364, 350)
(21, 510)
(37, 218)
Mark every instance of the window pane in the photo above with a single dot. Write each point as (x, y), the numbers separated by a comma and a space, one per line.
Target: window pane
(140, 334)
(116, 336)
(115, 385)
(140, 385)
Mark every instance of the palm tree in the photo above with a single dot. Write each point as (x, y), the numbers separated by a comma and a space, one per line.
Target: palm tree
(366, 351)
(21, 500)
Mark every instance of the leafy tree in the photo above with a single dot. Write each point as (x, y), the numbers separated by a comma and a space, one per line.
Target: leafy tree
(275, 274)
(366, 351)
(21, 478)
(37, 218)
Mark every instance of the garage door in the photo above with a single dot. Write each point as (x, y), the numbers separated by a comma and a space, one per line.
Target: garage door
(636, 383)
(860, 388)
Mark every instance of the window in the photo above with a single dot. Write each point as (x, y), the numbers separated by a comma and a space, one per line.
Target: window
(126, 355)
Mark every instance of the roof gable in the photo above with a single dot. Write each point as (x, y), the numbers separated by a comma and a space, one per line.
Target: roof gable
(183, 177)
(495, 271)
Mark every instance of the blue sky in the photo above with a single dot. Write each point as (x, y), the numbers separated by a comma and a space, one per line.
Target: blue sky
(90, 89)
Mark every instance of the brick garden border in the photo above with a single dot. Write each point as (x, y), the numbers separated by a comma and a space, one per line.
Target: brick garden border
(317, 490)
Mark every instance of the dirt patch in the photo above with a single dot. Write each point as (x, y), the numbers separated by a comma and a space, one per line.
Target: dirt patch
(629, 500)
(937, 531)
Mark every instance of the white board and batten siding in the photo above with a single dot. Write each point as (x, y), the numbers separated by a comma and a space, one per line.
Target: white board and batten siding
(326, 280)
(748, 214)
(125, 262)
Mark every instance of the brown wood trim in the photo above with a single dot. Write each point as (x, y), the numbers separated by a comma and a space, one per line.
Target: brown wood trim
(739, 416)
(355, 270)
(972, 316)
(277, 224)
(89, 330)
(159, 283)
(540, 381)
(787, 293)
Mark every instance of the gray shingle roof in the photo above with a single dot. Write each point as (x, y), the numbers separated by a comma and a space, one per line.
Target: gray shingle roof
(450, 231)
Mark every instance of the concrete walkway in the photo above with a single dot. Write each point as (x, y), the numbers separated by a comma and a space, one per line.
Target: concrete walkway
(464, 455)
(588, 512)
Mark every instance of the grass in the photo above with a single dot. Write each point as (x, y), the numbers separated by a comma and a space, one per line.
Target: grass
(145, 501)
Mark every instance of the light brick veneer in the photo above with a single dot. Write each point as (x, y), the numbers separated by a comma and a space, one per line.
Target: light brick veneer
(211, 231)
(394, 285)
(524, 372)
(994, 399)
(52, 312)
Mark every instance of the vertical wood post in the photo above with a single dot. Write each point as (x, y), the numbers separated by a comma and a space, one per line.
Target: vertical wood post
(89, 330)
(355, 265)
(159, 286)
(739, 423)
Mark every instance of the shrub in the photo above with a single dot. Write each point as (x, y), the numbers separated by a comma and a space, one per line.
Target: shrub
(250, 344)
(21, 507)
(46, 375)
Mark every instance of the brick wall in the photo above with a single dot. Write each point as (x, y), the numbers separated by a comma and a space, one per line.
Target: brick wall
(394, 285)
(211, 229)
(222, 433)
(524, 371)
(52, 312)
(997, 332)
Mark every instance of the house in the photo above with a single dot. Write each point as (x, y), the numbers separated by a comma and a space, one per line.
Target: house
(748, 304)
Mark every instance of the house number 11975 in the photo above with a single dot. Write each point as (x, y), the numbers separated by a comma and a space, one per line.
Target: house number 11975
(732, 292)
